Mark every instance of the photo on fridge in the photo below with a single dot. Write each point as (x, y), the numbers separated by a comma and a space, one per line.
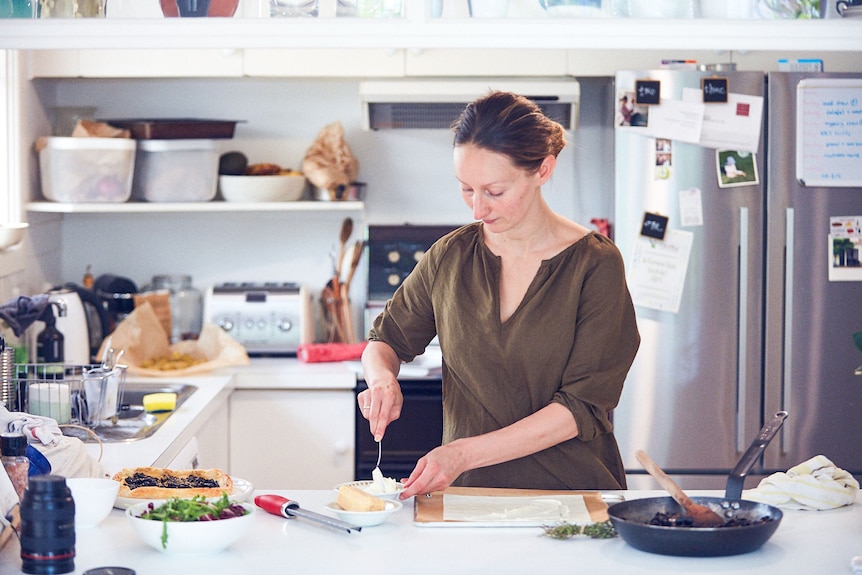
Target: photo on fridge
(736, 168)
(629, 113)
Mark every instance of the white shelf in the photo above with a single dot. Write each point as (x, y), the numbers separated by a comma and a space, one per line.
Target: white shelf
(844, 35)
(199, 207)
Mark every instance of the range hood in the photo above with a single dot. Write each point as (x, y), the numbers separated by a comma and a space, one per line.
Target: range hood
(436, 103)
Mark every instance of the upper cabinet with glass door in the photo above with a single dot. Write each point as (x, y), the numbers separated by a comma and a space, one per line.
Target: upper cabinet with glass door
(418, 25)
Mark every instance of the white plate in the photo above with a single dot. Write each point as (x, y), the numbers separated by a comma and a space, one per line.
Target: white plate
(242, 490)
(363, 485)
(364, 518)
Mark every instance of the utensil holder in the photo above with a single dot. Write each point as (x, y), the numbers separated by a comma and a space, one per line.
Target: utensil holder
(8, 385)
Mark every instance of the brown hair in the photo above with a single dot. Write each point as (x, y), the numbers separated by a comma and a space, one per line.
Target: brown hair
(512, 125)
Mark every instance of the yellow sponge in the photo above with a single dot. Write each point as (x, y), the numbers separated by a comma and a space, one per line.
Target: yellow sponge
(155, 402)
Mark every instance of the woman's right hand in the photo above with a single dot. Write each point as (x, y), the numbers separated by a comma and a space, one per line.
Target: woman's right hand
(381, 404)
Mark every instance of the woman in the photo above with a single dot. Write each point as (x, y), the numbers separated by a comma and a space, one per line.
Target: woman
(534, 319)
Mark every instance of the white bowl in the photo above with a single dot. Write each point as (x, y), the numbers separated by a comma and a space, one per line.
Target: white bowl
(11, 234)
(279, 188)
(364, 518)
(94, 498)
(364, 486)
(190, 537)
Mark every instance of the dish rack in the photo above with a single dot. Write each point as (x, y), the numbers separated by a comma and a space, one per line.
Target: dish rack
(85, 395)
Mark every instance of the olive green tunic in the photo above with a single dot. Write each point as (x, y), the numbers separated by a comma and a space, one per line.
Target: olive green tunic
(571, 341)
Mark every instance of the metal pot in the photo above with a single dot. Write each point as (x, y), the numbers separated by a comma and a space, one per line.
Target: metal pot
(632, 519)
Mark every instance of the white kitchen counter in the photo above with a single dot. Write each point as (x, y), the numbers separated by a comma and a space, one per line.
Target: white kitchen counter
(213, 391)
(174, 433)
(805, 543)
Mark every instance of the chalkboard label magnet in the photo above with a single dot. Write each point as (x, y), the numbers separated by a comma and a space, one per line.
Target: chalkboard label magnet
(715, 90)
(647, 92)
(654, 225)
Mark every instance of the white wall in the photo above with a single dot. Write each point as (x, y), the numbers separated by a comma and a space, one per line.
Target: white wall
(409, 175)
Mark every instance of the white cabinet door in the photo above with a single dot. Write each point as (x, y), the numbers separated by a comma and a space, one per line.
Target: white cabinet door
(213, 440)
(324, 63)
(485, 62)
(156, 63)
(294, 439)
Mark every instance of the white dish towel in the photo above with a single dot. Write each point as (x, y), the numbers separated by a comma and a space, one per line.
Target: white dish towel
(815, 485)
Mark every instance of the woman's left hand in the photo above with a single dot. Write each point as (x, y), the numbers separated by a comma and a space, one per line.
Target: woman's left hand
(435, 471)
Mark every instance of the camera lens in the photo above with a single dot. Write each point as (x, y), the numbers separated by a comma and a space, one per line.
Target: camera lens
(47, 526)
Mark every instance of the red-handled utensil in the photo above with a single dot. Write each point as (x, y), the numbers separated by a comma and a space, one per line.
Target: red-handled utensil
(278, 505)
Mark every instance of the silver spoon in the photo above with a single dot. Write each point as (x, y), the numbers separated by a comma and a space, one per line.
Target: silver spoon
(379, 453)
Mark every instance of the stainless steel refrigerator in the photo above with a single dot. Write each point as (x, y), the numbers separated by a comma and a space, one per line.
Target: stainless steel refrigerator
(728, 337)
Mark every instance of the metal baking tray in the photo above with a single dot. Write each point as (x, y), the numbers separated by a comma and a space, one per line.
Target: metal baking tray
(175, 128)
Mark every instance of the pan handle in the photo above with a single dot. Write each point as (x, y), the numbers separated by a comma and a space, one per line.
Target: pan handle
(754, 451)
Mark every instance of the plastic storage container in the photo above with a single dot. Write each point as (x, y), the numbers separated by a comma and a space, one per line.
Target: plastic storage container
(176, 170)
(77, 170)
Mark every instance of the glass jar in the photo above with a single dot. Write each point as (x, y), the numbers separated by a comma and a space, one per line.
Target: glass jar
(186, 305)
(13, 454)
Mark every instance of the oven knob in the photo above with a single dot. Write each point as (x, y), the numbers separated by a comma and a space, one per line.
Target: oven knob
(226, 324)
(285, 325)
(261, 324)
(417, 255)
(393, 256)
(249, 323)
(393, 279)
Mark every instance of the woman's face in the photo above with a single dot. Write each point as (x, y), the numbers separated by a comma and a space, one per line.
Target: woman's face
(499, 192)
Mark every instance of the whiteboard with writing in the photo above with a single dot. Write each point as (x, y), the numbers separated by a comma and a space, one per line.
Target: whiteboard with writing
(829, 132)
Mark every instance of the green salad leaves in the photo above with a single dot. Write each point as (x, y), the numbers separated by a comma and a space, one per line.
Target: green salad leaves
(195, 509)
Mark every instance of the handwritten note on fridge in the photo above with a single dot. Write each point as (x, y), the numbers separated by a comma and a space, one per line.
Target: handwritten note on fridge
(657, 270)
(829, 132)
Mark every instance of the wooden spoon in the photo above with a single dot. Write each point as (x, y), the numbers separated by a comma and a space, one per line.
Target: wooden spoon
(345, 290)
(701, 515)
(346, 231)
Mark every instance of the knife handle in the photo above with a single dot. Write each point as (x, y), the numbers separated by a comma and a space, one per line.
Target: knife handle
(274, 504)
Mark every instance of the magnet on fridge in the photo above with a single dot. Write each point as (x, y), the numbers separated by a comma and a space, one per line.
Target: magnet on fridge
(714, 90)
(647, 92)
(654, 225)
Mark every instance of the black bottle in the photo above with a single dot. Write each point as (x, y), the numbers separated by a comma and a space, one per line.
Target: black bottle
(50, 342)
(47, 526)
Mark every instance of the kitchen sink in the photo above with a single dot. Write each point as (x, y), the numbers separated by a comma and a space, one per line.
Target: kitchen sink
(133, 422)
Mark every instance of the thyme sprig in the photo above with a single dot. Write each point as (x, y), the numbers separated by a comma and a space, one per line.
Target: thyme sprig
(565, 530)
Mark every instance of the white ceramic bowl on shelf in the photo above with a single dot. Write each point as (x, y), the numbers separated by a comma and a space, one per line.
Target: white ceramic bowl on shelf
(190, 537)
(278, 188)
(11, 235)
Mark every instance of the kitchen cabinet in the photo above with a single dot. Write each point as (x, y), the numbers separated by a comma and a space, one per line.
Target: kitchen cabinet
(213, 439)
(458, 62)
(198, 207)
(297, 437)
(323, 62)
(421, 32)
(136, 63)
(295, 63)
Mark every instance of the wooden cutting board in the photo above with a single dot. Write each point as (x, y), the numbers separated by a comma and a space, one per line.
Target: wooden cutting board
(428, 511)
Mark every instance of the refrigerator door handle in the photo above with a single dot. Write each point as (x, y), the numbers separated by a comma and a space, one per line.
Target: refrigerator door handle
(742, 336)
(786, 379)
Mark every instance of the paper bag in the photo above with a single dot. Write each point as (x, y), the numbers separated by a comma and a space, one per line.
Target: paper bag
(143, 338)
(329, 163)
